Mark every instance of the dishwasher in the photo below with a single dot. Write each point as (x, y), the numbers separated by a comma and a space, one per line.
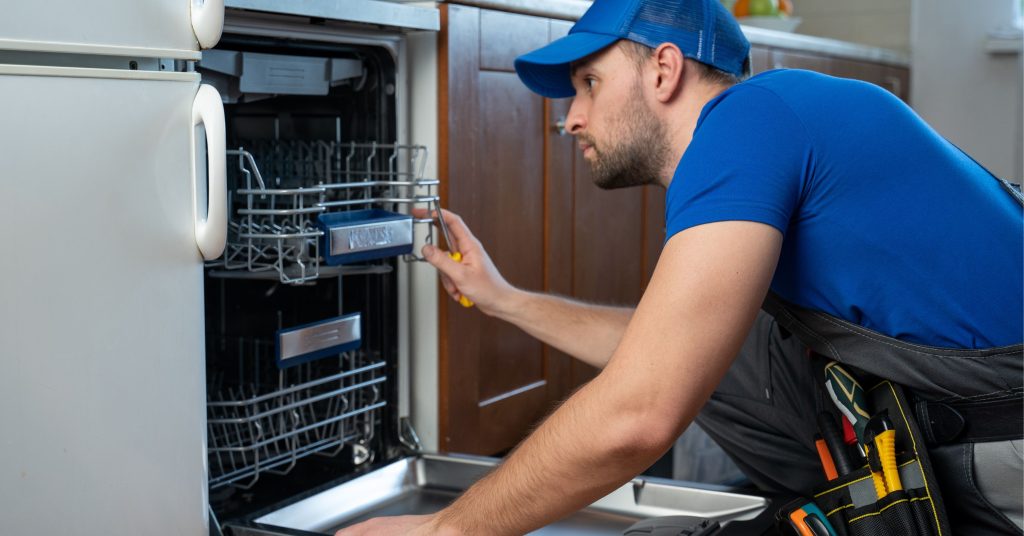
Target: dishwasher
(304, 315)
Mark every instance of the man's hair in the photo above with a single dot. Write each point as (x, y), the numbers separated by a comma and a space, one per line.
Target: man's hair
(640, 53)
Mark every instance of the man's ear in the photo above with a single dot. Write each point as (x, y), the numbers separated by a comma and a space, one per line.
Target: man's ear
(670, 65)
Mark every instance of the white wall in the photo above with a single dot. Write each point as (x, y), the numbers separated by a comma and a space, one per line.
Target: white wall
(968, 95)
(423, 369)
(880, 23)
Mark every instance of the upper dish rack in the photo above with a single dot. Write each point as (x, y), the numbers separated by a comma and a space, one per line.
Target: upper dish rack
(297, 206)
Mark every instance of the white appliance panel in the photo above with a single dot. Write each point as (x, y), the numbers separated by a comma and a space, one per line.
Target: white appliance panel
(162, 26)
(101, 316)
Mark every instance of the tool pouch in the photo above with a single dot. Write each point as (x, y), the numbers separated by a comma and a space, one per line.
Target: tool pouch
(851, 502)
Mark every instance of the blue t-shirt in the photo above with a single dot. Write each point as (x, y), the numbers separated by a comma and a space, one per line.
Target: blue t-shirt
(884, 222)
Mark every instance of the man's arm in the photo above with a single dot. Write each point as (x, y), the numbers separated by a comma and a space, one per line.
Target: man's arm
(691, 322)
(585, 331)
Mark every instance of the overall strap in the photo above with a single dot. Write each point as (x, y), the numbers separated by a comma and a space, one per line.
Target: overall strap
(961, 395)
(1012, 189)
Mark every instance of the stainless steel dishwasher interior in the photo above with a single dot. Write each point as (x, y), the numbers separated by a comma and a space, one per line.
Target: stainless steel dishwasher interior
(427, 483)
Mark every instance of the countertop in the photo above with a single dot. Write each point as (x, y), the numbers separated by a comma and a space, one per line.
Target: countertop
(573, 9)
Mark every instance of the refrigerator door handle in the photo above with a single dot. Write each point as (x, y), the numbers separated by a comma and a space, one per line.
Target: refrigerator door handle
(207, 21)
(211, 222)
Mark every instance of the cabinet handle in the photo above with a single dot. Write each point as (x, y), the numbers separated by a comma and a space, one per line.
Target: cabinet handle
(212, 228)
(559, 126)
(894, 85)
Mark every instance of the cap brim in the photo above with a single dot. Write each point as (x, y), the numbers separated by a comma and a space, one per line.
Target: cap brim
(546, 70)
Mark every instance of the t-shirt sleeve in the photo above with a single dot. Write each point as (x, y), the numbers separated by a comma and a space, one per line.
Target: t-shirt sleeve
(746, 162)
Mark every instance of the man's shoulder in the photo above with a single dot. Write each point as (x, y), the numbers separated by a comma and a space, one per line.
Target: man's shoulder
(783, 88)
(787, 80)
(816, 100)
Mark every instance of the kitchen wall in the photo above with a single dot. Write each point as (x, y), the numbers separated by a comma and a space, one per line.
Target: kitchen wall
(880, 23)
(971, 96)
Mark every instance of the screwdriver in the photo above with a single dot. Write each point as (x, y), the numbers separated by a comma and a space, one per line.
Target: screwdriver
(849, 397)
(452, 253)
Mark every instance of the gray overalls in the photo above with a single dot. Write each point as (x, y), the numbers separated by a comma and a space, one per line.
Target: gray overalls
(763, 412)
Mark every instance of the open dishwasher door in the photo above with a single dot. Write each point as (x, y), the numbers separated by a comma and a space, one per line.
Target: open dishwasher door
(427, 483)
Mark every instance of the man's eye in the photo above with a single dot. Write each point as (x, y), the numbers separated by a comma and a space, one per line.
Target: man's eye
(589, 82)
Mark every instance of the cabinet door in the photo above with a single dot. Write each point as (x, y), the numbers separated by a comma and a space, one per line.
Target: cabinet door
(784, 59)
(857, 70)
(897, 80)
(526, 191)
(615, 239)
(494, 378)
(560, 188)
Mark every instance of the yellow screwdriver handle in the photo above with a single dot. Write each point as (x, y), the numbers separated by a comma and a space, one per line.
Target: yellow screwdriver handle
(463, 300)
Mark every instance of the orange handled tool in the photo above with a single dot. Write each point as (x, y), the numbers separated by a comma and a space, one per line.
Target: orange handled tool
(827, 463)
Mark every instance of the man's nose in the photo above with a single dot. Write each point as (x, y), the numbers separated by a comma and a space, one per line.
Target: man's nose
(576, 121)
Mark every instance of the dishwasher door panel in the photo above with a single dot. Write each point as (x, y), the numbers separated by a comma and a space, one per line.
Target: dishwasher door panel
(427, 483)
(101, 305)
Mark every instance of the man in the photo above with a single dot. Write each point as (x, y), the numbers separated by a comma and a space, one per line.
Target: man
(828, 192)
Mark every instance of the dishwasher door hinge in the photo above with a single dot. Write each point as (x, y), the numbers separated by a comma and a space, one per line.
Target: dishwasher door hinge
(408, 436)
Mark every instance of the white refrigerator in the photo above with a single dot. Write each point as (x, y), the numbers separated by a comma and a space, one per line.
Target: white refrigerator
(109, 205)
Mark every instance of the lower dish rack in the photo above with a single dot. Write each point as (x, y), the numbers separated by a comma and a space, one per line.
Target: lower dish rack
(262, 419)
(285, 196)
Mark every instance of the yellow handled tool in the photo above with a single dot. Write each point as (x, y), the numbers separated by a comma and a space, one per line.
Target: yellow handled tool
(879, 479)
(453, 254)
(457, 257)
(885, 442)
(881, 437)
(882, 458)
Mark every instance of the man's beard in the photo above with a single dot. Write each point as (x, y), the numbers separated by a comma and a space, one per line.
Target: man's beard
(639, 155)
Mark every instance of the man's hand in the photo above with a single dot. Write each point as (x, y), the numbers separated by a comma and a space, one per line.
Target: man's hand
(398, 526)
(475, 277)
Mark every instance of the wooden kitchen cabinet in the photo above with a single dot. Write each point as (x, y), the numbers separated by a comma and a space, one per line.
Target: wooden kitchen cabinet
(525, 190)
(893, 78)
(786, 59)
(494, 382)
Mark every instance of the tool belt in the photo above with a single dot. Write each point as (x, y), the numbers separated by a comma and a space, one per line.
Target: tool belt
(865, 499)
(900, 500)
(992, 418)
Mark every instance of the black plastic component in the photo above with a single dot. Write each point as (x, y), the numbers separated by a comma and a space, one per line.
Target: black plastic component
(673, 526)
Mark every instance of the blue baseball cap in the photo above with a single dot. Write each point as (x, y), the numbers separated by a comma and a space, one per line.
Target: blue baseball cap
(702, 29)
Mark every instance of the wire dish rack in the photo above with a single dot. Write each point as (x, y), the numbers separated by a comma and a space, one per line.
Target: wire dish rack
(260, 419)
(282, 187)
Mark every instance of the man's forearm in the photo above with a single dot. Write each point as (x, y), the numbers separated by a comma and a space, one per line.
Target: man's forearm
(590, 446)
(585, 331)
